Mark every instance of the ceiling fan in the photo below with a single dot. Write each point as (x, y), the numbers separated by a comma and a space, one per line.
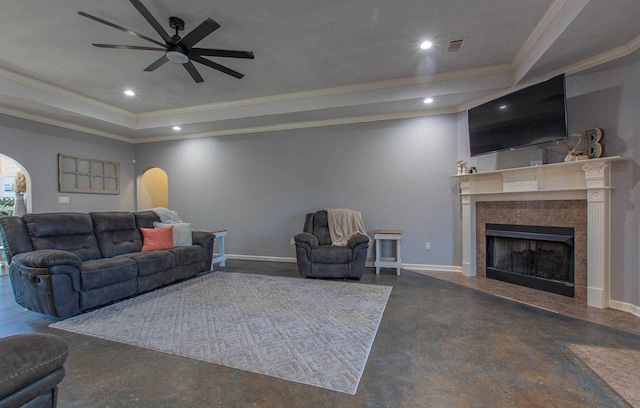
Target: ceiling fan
(177, 49)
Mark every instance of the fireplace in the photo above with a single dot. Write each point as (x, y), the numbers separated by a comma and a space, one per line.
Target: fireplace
(569, 194)
(540, 257)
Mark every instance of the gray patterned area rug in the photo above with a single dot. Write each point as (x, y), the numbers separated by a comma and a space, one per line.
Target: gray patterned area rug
(308, 331)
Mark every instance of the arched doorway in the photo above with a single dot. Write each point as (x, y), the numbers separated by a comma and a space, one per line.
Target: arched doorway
(9, 169)
(153, 189)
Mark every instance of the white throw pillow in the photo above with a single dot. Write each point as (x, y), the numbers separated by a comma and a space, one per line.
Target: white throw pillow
(181, 232)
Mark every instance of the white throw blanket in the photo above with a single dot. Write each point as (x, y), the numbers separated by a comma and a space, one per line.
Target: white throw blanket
(166, 215)
(343, 224)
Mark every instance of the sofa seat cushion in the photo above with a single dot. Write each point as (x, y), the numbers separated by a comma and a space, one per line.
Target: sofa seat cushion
(99, 273)
(152, 261)
(330, 254)
(187, 255)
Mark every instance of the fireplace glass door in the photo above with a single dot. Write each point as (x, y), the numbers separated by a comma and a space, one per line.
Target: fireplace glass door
(538, 257)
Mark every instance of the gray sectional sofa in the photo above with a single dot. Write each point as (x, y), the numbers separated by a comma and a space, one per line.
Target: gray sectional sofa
(63, 264)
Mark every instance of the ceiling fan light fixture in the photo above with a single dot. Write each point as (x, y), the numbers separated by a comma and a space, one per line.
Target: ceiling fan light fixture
(177, 56)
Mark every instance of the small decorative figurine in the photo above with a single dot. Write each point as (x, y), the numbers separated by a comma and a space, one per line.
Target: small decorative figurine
(574, 153)
(462, 167)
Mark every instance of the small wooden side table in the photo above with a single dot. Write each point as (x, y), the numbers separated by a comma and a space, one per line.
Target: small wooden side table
(388, 262)
(220, 257)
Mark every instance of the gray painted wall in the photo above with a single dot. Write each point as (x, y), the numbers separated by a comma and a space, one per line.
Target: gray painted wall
(259, 187)
(36, 146)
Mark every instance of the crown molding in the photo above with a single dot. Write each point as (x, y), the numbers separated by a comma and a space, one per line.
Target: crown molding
(537, 32)
(367, 86)
(634, 44)
(13, 76)
(583, 65)
(599, 59)
(62, 124)
(302, 125)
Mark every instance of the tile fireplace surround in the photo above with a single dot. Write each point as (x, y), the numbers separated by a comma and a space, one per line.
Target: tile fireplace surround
(571, 194)
(547, 213)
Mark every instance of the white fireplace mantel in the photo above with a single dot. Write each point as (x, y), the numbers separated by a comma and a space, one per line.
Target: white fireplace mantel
(588, 180)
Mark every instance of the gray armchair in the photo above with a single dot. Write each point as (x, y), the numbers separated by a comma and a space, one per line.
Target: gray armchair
(318, 258)
(31, 366)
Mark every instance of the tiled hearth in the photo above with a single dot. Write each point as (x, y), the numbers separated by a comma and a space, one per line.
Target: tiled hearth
(568, 213)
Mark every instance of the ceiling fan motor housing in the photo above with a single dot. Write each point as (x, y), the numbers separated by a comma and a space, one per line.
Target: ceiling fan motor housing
(176, 23)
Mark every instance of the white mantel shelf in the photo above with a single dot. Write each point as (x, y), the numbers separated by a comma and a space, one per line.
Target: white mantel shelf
(588, 180)
(559, 181)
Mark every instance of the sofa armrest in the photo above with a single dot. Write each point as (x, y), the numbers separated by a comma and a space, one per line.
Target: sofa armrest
(49, 262)
(206, 240)
(203, 238)
(358, 239)
(305, 239)
(31, 366)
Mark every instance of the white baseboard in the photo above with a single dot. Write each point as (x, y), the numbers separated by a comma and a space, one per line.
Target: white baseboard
(435, 268)
(423, 267)
(369, 264)
(262, 258)
(625, 307)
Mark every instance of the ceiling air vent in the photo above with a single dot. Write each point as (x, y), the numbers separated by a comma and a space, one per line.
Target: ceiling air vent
(455, 45)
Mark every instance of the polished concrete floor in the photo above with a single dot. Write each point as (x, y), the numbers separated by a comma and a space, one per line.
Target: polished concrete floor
(440, 344)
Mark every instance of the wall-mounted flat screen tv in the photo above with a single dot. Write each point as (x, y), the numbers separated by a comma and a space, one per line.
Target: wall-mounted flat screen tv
(533, 115)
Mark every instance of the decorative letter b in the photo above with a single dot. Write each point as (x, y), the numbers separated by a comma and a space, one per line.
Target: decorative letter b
(594, 147)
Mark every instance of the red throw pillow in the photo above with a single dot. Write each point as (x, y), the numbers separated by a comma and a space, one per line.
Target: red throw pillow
(157, 238)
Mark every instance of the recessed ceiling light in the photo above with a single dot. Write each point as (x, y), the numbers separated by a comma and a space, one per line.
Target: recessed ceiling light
(503, 107)
(428, 100)
(129, 92)
(177, 128)
(426, 45)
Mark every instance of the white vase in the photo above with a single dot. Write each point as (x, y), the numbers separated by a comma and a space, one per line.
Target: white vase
(19, 208)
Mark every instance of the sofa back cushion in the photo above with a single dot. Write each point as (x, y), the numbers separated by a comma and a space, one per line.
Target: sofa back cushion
(321, 227)
(15, 237)
(145, 219)
(71, 232)
(116, 233)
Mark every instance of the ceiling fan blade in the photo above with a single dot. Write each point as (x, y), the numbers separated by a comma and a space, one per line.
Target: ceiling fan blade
(152, 20)
(126, 30)
(191, 69)
(197, 34)
(221, 53)
(216, 66)
(129, 47)
(157, 64)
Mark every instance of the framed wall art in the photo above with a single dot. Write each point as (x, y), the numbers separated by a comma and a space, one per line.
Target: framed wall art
(77, 174)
